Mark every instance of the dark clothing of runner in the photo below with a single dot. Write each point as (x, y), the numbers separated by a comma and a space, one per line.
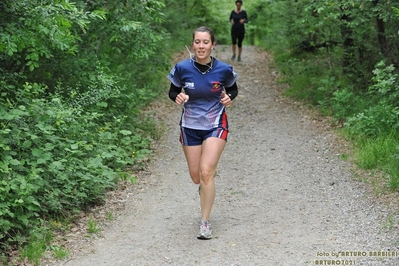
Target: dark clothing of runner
(237, 26)
(238, 29)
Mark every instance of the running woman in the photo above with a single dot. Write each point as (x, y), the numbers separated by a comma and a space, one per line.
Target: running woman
(204, 86)
(237, 19)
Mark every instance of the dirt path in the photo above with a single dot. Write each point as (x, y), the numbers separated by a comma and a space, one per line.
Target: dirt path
(284, 196)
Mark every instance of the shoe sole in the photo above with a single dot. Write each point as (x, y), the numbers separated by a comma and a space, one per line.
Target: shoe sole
(204, 238)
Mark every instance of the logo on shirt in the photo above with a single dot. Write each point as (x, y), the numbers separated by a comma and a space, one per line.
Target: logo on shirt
(216, 86)
(189, 85)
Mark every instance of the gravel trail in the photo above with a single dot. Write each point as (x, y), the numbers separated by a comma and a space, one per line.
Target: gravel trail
(284, 195)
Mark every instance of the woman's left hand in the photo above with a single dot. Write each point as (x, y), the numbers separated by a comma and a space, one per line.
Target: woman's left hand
(226, 101)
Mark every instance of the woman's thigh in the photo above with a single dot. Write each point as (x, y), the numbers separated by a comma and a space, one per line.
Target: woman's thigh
(193, 157)
(212, 149)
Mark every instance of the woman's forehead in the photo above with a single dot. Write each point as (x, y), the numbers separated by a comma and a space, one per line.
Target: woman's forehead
(202, 36)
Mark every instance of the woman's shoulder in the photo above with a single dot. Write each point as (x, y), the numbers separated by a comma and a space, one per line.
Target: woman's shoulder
(183, 63)
(221, 63)
(223, 66)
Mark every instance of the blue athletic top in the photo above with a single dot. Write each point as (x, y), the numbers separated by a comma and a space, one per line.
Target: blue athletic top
(203, 110)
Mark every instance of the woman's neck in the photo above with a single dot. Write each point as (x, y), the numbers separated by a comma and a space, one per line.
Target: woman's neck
(204, 61)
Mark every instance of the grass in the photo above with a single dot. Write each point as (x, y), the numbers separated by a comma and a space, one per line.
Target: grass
(92, 226)
(344, 157)
(236, 192)
(36, 246)
(389, 223)
(381, 153)
(59, 252)
(110, 216)
(3, 259)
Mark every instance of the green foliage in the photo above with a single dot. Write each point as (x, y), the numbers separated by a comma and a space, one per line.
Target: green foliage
(341, 57)
(374, 121)
(74, 79)
(380, 153)
(385, 88)
(393, 167)
(182, 17)
(92, 226)
(52, 156)
(38, 29)
(36, 245)
(76, 75)
(59, 252)
(382, 115)
(58, 158)
(344, 103)
(195, 13)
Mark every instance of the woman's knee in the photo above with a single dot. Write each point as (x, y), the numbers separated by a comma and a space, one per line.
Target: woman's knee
(207, 175)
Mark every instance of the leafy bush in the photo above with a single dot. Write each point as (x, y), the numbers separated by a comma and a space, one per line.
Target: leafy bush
(385, 88)
(56, 157)
(344, 103)
(382, 117)
(70, 121)
(374, 121)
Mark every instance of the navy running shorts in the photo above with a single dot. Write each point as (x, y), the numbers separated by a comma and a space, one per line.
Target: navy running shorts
(195, 137)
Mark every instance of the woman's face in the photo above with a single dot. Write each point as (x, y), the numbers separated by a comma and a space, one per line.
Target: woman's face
(202, 46)
(238, 5)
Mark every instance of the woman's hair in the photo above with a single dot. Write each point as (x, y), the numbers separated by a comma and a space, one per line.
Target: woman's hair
(239, 1)
(205, 29)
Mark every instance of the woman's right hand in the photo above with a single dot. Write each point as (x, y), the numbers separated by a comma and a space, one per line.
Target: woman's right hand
(181, 98)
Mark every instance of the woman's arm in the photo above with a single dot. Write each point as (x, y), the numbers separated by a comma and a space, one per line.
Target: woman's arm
(173, 91)
(245, 17)
(232, 91)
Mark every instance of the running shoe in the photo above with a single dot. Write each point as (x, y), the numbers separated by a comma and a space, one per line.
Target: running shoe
(239, 59)
(233, 57)
(205, 230)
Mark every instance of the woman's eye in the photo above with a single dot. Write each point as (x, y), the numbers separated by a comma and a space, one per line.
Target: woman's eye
(198, 42)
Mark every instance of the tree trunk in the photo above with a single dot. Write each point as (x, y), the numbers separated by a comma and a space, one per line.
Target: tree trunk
(385, 48)
(348, 45)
